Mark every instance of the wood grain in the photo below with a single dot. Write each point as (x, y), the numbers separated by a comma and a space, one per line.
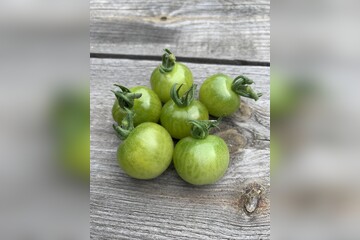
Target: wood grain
(167, 207)
(220, 29)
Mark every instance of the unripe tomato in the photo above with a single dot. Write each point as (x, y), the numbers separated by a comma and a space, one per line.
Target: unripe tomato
(201, 159)
(167, 74)
(146, 151)
(221, 94)
(147, 108)
(177, 112)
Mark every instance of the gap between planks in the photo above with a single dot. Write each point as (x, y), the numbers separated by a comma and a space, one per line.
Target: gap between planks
(181, 59)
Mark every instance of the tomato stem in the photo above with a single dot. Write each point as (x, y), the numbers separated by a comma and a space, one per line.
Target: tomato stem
(127, 125)
(241, 86)
(168, 61)
(200, 128)
(186, 99)
(125, 97)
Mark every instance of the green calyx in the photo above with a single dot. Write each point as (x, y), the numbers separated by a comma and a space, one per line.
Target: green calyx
(241, 86)
(186, 99)
(168, 61)
(200, 128)
(125, 97)
(127, 125)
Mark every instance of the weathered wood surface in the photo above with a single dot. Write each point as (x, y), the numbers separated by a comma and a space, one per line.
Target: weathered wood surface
(167, 207)
(221, 29)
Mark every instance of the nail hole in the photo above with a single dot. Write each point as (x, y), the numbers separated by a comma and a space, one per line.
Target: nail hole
(163, 18)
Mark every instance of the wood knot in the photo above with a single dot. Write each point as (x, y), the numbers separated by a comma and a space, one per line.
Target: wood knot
(251, 197)
(235, 141)
(163, 18)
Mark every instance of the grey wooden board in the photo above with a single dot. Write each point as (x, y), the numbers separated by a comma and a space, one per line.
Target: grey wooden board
(220, 29)
(167, 207)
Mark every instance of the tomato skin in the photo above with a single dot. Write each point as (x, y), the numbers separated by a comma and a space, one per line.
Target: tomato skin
(146, 152)
(175, 119)
(147, 108)
(201, 161)
(161, 83)
(218, 97)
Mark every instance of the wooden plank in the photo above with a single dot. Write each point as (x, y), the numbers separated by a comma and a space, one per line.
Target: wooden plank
(167, 207)
(220, 29)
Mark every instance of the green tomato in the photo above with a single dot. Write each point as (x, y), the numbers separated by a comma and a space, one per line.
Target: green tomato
(147, 108)
(216, 94)
(176, 119)
(167, 74)
(220, 94)
(201, 161)
(146, 152)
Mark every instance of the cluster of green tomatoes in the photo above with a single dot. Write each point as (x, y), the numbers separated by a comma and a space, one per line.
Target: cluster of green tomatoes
(148, 147)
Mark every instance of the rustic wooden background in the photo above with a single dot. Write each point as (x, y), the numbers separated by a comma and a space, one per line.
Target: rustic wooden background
(233, 37)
